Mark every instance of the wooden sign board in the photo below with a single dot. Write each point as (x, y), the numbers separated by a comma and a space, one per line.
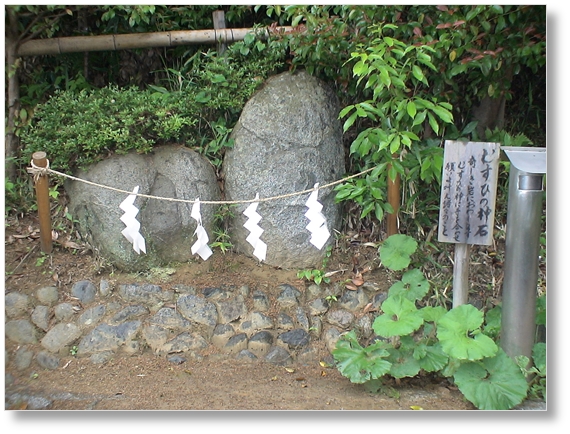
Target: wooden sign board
(468, 191)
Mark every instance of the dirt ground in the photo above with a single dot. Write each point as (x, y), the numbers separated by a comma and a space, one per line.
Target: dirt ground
(151, 382)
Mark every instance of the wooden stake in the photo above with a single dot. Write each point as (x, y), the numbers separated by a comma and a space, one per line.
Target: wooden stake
(219, 18)
(42, 197)
(394, 200)
(461, 274)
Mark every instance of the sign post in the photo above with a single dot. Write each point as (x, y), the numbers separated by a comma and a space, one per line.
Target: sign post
(467, 204)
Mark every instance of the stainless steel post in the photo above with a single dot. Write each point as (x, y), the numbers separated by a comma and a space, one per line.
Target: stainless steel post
(518, 320)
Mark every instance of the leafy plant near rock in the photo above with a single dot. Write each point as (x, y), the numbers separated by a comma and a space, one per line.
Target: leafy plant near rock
(459, 343)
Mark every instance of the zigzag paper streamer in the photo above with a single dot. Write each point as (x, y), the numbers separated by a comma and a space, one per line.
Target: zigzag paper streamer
(131, 232)
(201, 245)
(259, 247)
(317, 222)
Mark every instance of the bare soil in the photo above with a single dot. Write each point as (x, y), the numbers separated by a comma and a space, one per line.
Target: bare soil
(216, 382)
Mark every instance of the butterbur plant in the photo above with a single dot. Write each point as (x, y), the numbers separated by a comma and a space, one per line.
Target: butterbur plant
(458, 343)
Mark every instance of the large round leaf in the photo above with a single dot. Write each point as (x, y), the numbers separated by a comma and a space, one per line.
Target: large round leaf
(414, 285)
(459, 332)
(400, 318)
(396, 251)
(494, 383)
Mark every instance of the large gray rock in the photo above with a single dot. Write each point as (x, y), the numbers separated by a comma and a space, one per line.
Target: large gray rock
(171, 172)
(287, 139)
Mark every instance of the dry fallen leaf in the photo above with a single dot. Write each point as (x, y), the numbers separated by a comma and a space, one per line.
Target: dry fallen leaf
(351, 287)
(290, 370)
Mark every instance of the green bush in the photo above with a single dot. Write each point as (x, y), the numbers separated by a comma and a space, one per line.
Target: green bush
(197, 105)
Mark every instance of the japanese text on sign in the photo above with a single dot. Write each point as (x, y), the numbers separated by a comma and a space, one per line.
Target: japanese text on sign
(469, 184)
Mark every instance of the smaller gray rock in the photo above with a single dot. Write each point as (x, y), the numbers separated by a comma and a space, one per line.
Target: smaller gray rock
(60, 336)
(341, 318)
(23, 358)
(64, 312)
(222, 334)
(260, 343)
(353, 300)
(289, 296)
(302, 318)
(104, 288)
(48, 295)
(284, 322)
(214, 293)
(236, 343)
(378, 299)
(316, 326)
(185, 342)
(101, 358)
(21, 331)
(47, 360)
(231, 310)
(295, 339)
(197, 309)
(319, 306)
(331, 336)
(279, 356)
(16, 304)
(40, 317)
(246, 355)
(38, 403)
(260, 301)
(92, 316)
(260, 321)
(176, 359)
(169, 318)
(84, 290)
(130, 313)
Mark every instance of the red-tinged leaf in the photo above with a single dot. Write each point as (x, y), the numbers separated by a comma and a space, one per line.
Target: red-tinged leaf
(443, 26)
(458, 23)
(351, 287)
(417, 31)
(442, 8)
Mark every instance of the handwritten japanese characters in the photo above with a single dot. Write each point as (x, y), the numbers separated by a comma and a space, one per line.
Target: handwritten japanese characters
(469, 184)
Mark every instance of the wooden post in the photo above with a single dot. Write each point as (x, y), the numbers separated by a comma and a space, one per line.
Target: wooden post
(461, 274)
(42, 196)
(394, 200)
(219, 18)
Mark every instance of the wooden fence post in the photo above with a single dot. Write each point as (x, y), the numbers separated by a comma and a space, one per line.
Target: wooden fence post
(394, 200)
(219, 19)
(42, 196)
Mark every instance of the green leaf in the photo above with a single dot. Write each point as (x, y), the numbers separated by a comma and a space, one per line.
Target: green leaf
(418, 73)
(411, 108)
(539, 356)
(433, 123)
(360, 364)
(430, 357)
(494, 383)
(396, 251)
(433, 313)
(400, 317)
(443, 114)
(454, 330)
(403, 363)
(413, 286)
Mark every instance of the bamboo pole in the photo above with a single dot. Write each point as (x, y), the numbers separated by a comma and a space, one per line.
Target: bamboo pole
(73, 44)
(42, 196)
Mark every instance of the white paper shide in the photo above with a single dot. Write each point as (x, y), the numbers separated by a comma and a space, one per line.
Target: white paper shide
(317, 222)
(131, 231)
(201, 245)
(252, 225)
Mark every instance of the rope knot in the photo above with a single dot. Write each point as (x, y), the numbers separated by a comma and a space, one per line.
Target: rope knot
(38, 171)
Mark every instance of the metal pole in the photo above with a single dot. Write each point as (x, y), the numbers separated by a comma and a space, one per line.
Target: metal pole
(42, 196)
(518, 319)
(461, 274)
